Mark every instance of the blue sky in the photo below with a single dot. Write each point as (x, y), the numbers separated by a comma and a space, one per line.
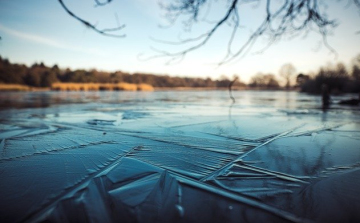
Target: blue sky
(41, 31)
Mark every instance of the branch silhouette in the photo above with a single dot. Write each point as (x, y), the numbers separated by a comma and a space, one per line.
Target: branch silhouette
(105, 32)
(290, 18)
(286, 18)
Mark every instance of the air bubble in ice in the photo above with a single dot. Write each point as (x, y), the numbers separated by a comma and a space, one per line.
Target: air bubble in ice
(180, 210)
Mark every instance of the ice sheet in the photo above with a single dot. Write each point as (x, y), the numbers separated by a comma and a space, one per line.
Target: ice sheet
(177, 157)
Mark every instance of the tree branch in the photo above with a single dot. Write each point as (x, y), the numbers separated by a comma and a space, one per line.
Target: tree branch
(285, 18)
(105, 32)
(291, 18)
(98, 3)
(203, 38)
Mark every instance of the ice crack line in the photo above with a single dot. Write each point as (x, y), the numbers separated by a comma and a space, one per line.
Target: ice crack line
(54, 150)
(232, 196)
(36, 215)
(210, 176)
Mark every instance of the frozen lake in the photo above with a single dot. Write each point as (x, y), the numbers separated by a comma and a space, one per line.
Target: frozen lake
(178, 157)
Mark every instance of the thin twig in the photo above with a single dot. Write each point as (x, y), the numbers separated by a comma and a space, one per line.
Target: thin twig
(290, 18)
(104, 32)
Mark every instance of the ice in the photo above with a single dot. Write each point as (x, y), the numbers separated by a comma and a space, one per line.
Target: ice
(177, 157)
(307, 155)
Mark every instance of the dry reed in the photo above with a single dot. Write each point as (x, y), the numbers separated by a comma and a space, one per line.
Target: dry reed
(14, 87)
(101, 87)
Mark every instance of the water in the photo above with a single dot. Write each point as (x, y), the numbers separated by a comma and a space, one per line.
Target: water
(161, 156)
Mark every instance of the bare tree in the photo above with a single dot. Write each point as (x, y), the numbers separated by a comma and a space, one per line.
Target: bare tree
(283, 18)
(261, 80)
(287, 71)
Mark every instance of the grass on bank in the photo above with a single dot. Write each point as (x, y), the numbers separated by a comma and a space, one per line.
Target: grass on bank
(116, 87)
(101, 87)
(14, 87)
(80, 87)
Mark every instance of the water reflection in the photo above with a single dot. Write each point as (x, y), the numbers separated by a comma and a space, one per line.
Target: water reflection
(275, 99)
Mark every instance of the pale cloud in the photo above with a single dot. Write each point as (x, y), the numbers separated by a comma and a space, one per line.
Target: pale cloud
(49, 42)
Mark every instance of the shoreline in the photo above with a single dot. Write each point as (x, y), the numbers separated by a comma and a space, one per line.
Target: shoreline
(124, 87)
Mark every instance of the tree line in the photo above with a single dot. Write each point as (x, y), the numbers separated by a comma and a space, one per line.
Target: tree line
(337, 78)
(40, 75)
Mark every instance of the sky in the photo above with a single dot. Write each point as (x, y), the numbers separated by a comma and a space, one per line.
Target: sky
(41, 31)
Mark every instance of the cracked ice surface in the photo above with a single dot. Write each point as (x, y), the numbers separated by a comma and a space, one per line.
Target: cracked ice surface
(177, 157)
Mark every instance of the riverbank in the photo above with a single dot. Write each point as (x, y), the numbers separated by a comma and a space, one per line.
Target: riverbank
(126, 87)
(19, 87)
(80, 87)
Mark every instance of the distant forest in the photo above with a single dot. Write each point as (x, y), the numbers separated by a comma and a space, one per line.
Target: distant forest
(337, 78)
(39, 75)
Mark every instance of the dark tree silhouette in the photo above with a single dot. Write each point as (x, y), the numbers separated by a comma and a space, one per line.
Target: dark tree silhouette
(267, 81)
(335, 78)
(301, 79)
(285, 18)
(356, 68)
